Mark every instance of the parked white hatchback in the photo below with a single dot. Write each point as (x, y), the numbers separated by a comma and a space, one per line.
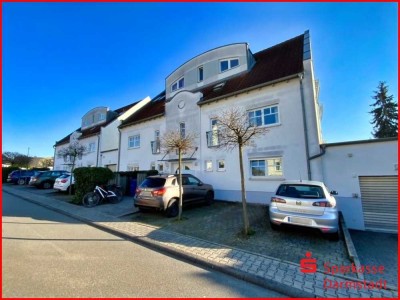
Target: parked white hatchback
(62, 183)
(305, 203)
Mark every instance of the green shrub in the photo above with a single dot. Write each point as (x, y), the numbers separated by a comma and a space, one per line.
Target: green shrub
(5, 171)
(87, 178)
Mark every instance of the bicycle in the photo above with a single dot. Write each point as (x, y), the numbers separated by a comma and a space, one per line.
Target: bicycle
(111, 192)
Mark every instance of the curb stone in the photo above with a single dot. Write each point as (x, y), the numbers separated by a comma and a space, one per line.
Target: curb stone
(212, 255)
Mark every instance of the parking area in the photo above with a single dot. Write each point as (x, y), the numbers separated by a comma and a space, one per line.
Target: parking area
(222, 223)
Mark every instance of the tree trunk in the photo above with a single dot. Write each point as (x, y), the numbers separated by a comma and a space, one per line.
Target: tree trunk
(242, 185)
(70, 177)
(180, 182)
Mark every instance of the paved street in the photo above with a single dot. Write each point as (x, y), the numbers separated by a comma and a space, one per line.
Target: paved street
(210, 236)
(47, 254)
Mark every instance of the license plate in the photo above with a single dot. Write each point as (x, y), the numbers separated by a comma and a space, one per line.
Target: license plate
(146, 194)
(300, 221)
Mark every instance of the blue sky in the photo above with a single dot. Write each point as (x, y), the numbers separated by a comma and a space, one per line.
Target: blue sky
(62, 59)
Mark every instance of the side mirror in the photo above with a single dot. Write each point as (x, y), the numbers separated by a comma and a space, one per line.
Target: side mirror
(334, 193)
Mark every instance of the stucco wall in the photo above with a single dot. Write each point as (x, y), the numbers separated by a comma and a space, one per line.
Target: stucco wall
(344, 163)
(285, 139)
(142, 156)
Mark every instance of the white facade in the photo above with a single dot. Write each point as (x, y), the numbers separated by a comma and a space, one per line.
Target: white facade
(110, 138)
(140, 156)
(102, 147)
(291, 149)
(344, 163)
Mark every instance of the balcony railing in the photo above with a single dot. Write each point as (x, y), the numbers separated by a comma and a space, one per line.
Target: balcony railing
(155, 147)
(212, 138)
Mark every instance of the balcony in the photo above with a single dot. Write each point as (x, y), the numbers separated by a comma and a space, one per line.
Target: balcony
(155, 147)
(212, 138)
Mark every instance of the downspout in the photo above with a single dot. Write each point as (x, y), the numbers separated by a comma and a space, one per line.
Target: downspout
(98, 150)
(303, 108)
(119, 149)
(323, 147)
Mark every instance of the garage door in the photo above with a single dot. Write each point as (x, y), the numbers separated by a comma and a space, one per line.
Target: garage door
(379, 201)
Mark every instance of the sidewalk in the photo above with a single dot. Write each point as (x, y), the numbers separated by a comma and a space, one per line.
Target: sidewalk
(276, 274)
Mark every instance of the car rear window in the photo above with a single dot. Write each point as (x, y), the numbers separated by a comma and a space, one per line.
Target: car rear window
(153, 182)
(64, 176)
(301, 191)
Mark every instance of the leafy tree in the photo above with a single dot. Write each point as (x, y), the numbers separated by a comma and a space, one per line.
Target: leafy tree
(180, 142)
(385, 116)
(235, 130)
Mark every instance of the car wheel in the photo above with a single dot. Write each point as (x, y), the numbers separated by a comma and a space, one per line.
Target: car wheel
(21, 181)
(46, 185)
(144, 209)
(173, 209)
(274, 226)
(333, 236)
(209, 198)
(69, 188)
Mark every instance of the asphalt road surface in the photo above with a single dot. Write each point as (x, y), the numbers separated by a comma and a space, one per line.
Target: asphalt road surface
(47, 254)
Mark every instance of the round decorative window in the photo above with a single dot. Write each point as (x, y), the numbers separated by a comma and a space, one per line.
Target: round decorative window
(181, 104)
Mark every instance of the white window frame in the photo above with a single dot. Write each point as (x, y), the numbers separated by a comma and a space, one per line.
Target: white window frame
(135, 141)
(272, 167)
(229, 60)
(219, 167)
(262, 115)
(178, 84)
(200, 70)
(208, 165)
(102, 116)
(92, 147)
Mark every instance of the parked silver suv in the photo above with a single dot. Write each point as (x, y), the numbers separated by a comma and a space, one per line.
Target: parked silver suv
(162, 192)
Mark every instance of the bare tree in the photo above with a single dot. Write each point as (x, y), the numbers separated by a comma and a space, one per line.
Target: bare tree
(180, 142)
(236, 130)
(70, 154)
(16, 159)
(46, 162)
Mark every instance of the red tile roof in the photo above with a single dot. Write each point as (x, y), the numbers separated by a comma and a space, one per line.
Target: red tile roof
(151, 110)
(277, 62)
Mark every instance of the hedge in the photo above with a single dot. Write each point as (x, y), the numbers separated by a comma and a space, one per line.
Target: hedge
(5, 171)
(86, 180)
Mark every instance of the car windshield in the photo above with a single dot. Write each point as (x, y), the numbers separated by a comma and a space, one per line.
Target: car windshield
(64, 176)
(301, 191)
(153, 182)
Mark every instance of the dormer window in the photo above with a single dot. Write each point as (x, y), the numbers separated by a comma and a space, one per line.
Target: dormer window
(228, 64)
(200, 72)
(178, 84)
(102, 117)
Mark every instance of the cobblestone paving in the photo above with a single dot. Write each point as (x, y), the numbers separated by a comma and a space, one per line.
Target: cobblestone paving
(206, 234)
(222, 223)
(377, 249)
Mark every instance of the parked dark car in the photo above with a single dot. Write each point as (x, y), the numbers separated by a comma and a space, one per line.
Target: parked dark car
(162, 192)
(45, 180)
(20, 176)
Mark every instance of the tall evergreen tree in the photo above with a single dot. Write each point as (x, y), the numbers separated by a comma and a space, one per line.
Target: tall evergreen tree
(385, 116)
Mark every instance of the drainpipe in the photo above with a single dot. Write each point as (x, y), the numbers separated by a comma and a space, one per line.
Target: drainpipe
(98, 150)
(303, 108)
(119, 150)
(323, 147)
